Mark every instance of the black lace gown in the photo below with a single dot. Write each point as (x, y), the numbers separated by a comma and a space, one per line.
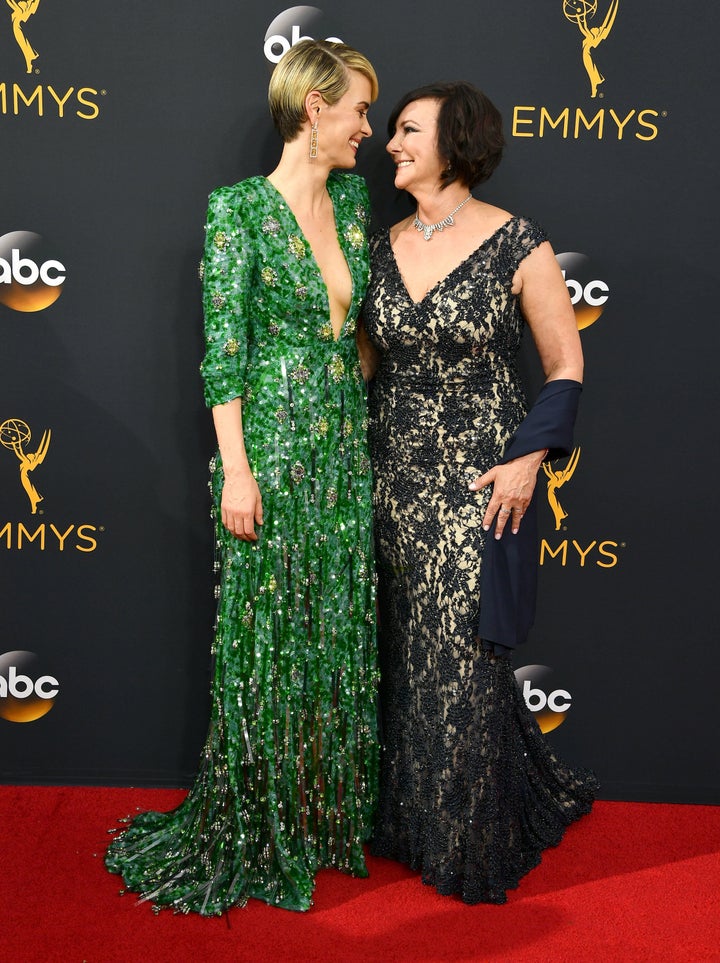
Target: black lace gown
(470, 791)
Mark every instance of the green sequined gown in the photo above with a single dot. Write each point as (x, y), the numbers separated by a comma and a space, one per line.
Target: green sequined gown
(288, 776)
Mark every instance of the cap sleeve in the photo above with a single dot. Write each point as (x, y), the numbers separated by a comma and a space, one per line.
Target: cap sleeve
(525, 236)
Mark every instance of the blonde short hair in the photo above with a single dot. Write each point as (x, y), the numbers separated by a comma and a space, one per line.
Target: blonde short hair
(320, 65)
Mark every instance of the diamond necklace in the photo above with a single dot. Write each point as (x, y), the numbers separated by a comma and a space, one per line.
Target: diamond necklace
(429, 229)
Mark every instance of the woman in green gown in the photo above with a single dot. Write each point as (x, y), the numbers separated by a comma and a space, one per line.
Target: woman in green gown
(288, 775)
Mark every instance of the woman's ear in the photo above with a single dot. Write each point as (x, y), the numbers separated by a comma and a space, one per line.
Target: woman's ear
(313, 103)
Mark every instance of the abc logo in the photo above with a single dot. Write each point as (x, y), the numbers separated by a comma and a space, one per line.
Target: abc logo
(292, 26)
(588, 294)
(25, 695)
(547, 703)
(30, 279)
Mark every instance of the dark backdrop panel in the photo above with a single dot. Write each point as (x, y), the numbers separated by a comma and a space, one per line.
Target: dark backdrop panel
(109, 583)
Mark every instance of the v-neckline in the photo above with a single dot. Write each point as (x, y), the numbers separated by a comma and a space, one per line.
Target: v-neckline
(301, 233)
(452, 270)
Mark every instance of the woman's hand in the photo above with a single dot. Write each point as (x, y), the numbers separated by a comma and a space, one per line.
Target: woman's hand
(546, 305)
(241, 506)
(241, 502)
(513, 486)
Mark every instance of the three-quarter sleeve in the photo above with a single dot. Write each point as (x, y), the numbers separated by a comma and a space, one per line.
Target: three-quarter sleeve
(227, 275)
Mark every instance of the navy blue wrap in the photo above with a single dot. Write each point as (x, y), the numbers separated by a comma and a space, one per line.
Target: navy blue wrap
(508, 578)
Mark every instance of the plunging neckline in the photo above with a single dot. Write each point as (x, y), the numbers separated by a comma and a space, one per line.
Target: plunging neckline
(452, 271)
(301, 233)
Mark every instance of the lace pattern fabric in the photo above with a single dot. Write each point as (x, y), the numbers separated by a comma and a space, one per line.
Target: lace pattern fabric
(470, 791)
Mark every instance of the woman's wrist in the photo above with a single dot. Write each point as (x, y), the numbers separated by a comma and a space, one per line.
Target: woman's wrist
(536, 458)
(236, 471)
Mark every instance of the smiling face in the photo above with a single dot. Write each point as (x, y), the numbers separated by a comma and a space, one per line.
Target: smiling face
(413, 147)
(342, 126)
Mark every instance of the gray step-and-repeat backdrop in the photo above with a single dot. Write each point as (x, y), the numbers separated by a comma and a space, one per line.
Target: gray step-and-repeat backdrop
(116, 121)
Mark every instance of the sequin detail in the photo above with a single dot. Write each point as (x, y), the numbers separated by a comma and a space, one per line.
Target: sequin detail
(296, 246)
(355, 236)
(297, 472)
(336, 368)
(301, 374)
(321, 427)
(271, 226)
(287, 781)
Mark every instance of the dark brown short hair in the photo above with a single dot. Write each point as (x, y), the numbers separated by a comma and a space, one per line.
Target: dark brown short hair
(469, 137)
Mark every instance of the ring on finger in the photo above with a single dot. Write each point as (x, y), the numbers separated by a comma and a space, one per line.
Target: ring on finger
(505, 511)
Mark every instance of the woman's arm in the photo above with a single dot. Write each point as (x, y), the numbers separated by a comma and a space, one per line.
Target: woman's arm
(546, 305)
(227, 270)
(367, 352)
(241, 502)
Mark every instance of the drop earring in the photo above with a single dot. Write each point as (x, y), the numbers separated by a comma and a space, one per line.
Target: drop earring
(314, 140)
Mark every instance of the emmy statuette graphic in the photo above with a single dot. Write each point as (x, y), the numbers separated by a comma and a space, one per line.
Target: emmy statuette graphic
(578, 12)
(14, 434)
(22, 10)
(556, 479)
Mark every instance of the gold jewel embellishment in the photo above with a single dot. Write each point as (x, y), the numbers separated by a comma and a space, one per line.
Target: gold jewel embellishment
(336, 367)
(296, 246)
(355, 236)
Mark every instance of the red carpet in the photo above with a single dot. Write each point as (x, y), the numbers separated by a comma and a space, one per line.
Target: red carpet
(632, 882)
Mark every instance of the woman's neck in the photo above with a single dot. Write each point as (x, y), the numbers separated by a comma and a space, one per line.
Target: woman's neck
(300, 179)
(434, 205)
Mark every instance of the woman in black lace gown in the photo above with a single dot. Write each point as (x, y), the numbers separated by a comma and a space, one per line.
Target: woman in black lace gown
(470, 792)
